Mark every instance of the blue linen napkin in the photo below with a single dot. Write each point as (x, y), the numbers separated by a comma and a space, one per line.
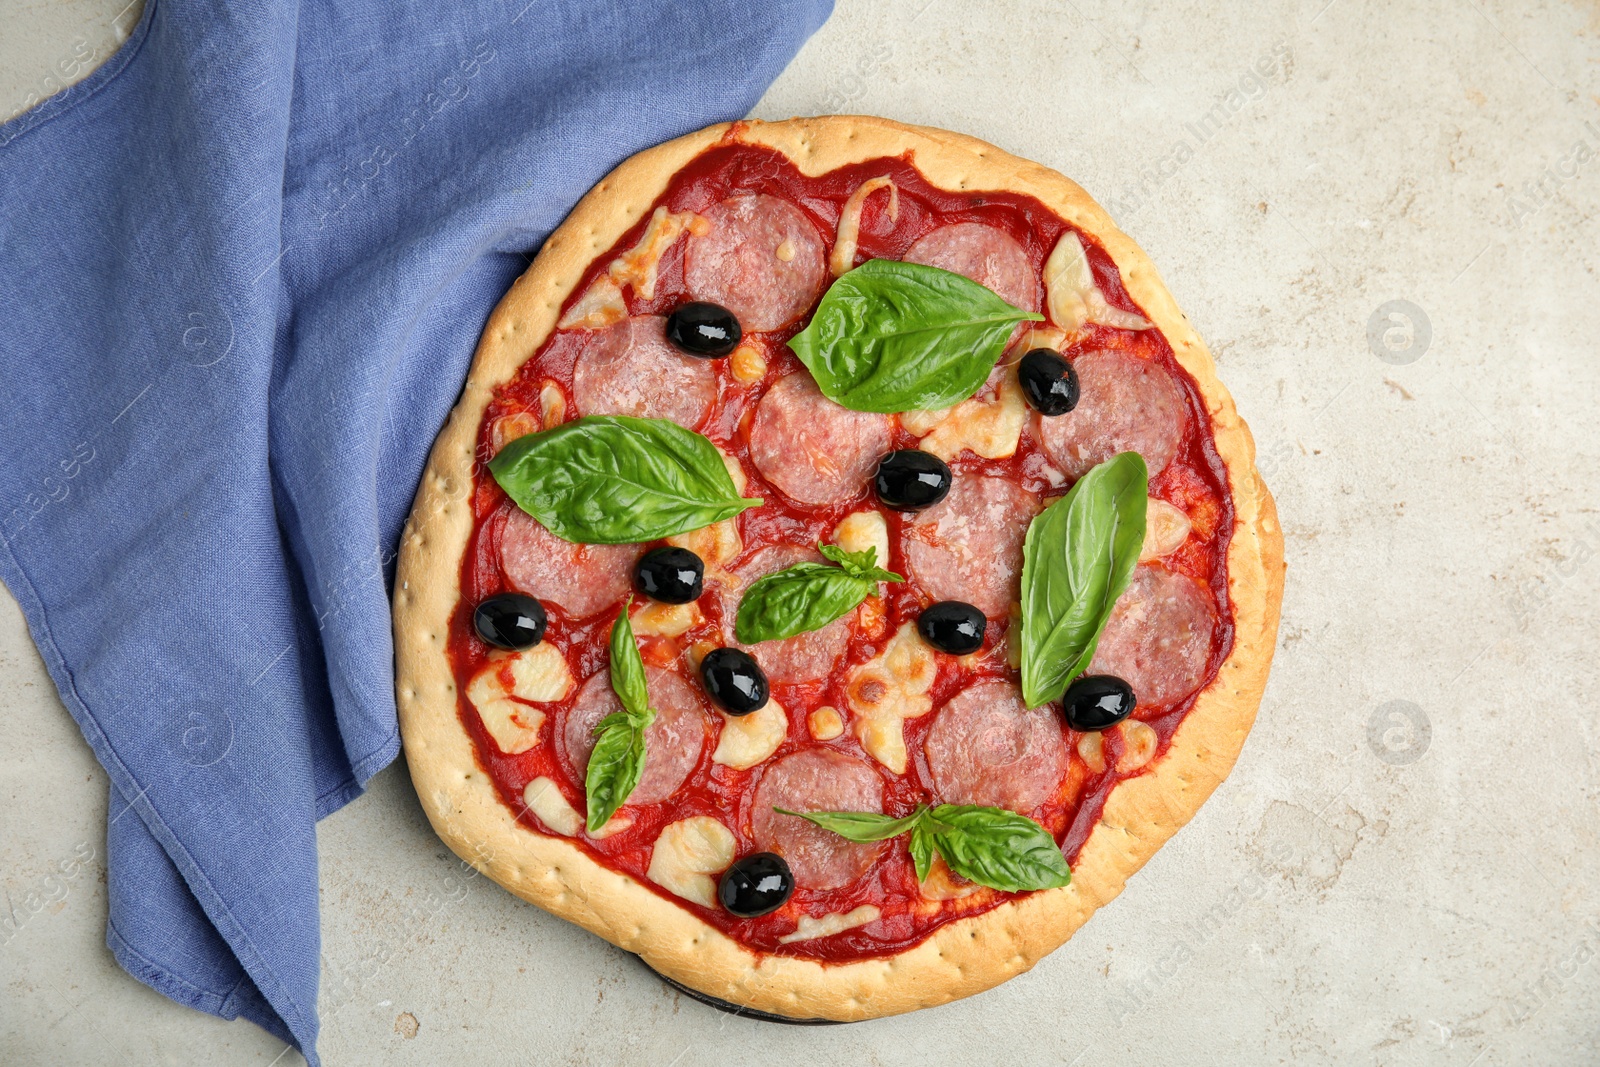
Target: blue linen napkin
(244, 266)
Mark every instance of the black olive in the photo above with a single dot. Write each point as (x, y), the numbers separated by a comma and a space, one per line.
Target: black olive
(510, 620)
(909, 479)
(702, 329)
(1049, 382)
(1097, 702)
(734, 680)
(669, 574)
(952, 626)
(755, 885)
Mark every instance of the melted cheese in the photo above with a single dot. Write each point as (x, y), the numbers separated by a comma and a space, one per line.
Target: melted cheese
(601, 304)
(942, 884)
(538, 674)
(1166, 528)
(1092, 750)
(699, 651)
(1035, 337)
(828, 925)
(552, 404)
(687, 854)
(637, 266)
(1072, 295)
(614, 825)
(508, 428)
(919, 423)
(825, 723)
(746, 740)
(1138, 747)
(888, 689)
(864, 530)
(748, 364)
(843, 256)
(655, 619)
(544, 799)
(989, 428)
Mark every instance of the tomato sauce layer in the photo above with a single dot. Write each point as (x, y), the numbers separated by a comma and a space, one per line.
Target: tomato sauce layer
(1195, 481)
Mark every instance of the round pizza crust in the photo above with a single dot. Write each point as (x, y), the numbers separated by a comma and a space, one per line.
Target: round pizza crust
(964, 956)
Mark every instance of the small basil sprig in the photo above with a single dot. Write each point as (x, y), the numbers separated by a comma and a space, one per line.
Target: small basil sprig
(808, 596)
(891, 336)
(990, 846)
(1077, 559)
(617, 762)
(615, 480)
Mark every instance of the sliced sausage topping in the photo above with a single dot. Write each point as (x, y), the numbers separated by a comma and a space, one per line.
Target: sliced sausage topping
(1159, 636)
(1125, 404)
(632, 369)
(987, 748)
(812, 449)
(816, 779)
(985, 254)
(763, 260)
(672, 744)
(581, 579)
(968, 546)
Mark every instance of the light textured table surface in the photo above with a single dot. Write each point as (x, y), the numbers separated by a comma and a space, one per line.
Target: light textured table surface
(1389, 242)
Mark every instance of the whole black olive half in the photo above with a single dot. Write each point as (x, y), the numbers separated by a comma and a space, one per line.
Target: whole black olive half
(670, 574)
(908, 480)
(952, 626)
(510, 620)
(706, 330)
(1048, 381)
(1097, 702)
(755, 885)
(735, 681)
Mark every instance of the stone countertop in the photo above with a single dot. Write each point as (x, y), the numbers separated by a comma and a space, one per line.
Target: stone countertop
(1382, 220)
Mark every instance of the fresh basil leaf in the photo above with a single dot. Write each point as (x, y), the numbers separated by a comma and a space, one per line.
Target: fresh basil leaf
(1076, 560)
(615, 765)
(615, 479)
(863, 564)
(627, 666)
(808, 596)
(617, 762)
(998, 848)
(891, 336)
(858, 825)
(921, 846)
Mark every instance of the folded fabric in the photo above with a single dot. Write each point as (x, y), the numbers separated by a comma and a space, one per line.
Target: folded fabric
(245, 264)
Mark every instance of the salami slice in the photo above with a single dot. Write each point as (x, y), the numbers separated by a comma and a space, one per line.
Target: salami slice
(581, 579)
(763, 260)
(1159, 636)
(969, 545)
(804, 657)
(816, 779)
(632, 369)
(672, 744)
(986, 747)
(987, 255)
(1125, 404)
(812, 449)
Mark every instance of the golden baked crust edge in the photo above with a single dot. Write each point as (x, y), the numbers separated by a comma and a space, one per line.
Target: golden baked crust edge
(962, 957)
